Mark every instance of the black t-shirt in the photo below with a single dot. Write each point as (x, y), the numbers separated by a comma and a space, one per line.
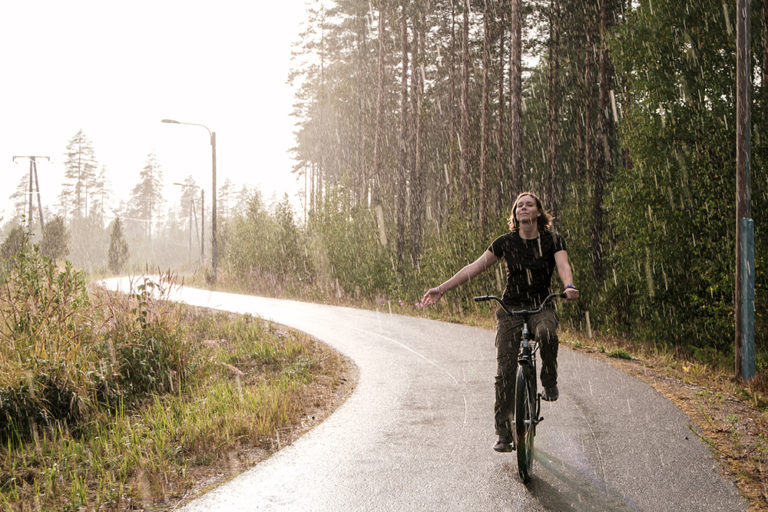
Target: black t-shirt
(529, 266)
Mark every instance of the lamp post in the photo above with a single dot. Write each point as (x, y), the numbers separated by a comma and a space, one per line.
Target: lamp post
(214, 259)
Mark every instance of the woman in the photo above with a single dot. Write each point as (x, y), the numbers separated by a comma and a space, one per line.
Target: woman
(532, 251)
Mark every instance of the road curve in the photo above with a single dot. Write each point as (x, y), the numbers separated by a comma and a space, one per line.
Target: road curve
(417, 432)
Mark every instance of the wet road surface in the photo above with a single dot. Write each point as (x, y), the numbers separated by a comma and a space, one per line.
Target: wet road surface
(417, 432)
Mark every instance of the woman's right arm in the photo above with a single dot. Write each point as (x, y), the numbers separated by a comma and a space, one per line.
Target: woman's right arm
(467, 273)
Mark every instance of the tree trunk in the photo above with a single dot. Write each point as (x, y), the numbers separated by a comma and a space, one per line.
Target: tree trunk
(764, 67)
(501, 185)
(464, 134)
(401, 188)
(604, 163)
(376, 178)
(483, 199)
(588, 102)
(553, 108)
(417, 180)
(515, 101)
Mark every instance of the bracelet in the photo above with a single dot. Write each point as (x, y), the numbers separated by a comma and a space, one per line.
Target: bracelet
(570, 286)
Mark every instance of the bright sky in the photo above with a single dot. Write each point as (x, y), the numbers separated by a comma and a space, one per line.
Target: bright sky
(115, 69)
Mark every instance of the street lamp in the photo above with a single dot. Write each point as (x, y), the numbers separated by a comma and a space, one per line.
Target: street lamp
(192, 214)
(214, 259)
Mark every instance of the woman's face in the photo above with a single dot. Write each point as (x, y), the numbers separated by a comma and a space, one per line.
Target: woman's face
(526, 210)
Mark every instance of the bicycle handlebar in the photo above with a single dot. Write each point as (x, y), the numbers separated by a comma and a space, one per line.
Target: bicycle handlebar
(485, 298)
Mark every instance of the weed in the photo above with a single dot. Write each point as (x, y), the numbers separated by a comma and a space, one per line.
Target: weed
(620, 353)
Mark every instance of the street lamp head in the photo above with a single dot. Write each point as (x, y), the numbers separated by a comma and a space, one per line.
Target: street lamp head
(171, 121)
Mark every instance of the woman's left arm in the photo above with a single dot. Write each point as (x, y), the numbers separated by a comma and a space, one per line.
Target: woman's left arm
(566, 275)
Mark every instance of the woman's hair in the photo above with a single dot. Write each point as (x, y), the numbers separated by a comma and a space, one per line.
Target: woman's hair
(544, 221)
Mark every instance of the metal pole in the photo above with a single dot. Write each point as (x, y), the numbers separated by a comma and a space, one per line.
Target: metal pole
(29, 199)
(39, 203)
(202, 228)
(189, 228)
(214, 255)
(743, 307)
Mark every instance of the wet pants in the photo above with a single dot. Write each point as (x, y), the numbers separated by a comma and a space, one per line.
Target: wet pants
(509, 331)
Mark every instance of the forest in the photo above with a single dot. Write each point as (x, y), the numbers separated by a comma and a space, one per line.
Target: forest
(419, 122)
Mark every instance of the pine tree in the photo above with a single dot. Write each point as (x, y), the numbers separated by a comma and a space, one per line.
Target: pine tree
(118, 248)
(80, 173)
(146, 196)
(55, 239)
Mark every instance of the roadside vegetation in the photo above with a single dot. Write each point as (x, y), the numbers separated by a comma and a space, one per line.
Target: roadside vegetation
(124, 402)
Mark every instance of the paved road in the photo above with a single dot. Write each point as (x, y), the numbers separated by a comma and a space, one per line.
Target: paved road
(417, 432)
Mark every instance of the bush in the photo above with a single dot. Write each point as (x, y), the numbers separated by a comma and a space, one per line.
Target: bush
(65, 356)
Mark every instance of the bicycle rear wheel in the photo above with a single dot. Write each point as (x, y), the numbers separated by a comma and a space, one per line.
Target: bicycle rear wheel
(525, 422)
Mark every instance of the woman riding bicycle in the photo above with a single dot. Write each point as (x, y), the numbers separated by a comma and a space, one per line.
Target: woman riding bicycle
(532, 251)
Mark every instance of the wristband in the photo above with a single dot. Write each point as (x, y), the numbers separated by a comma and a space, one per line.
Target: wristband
(570, 286)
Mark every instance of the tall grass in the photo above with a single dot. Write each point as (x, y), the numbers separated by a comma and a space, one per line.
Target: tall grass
(107, 401)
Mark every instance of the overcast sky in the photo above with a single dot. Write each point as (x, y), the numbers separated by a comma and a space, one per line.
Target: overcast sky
(115, 70)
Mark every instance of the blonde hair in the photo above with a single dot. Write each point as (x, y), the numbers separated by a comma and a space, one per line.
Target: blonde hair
(544, 220)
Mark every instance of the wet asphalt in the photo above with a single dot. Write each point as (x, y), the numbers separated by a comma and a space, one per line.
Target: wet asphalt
(416, 434)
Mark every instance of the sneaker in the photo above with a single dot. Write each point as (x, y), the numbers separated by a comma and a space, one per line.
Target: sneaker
(504, 445)
(550, 394)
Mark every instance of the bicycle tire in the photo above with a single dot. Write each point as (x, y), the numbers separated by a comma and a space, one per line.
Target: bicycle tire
(525, 426)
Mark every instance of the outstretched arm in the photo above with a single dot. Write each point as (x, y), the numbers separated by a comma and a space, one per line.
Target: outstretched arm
(566, 275)
(470, 271)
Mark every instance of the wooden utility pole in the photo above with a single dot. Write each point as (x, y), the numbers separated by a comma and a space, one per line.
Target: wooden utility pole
(744, 305)
(34, 181)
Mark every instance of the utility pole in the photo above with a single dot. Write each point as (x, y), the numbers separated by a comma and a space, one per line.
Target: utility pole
(193, 214)
(33, 181)
(744, 306)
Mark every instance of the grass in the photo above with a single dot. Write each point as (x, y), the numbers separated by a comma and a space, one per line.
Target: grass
(136, 402)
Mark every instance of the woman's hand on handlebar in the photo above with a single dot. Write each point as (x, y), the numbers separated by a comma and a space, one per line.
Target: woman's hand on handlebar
(432, 296)
(571, 293)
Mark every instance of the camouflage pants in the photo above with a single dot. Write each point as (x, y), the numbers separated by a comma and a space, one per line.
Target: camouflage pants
(509, 331)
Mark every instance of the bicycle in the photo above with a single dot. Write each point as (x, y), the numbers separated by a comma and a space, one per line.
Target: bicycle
(527, 399)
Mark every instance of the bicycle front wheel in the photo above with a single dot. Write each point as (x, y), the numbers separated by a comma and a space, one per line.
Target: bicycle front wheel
(525, 421)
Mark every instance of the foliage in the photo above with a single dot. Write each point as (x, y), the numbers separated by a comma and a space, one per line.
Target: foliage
(44, 327)
(79, 433)
(17, 238)
(633, 205)
(64, 358)
(147, 196)
(671, 208)
(80, 173)
(118, 248)
(55, 239)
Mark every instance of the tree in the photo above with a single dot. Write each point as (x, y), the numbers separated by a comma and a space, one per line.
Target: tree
(118, 248)
(80, 173)
(55, 239)
(20, 198)
(101, 194)
(13, 244)
(672, 209)
(147, 195)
